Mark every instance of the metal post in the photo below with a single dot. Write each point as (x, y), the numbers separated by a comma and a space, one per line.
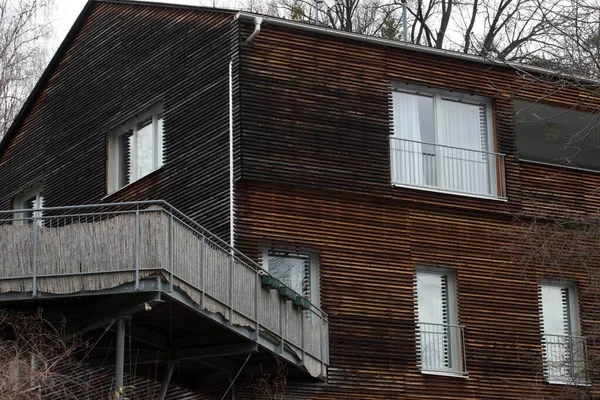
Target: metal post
(321, 344)
(281, 302)
(303, 316)
(34, 259)
(171, 253)
(257, 287)
(231, 280)
(137, 248)
(164, 386)
(120, 356)
(202, 271)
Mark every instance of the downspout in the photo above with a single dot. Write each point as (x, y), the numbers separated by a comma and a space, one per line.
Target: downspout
(257, 22)
(231, 209)
(404, 23)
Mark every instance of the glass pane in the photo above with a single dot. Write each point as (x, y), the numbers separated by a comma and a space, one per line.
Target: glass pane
(145, 149)
(159, 133)
(464, 163)
(433, 321)
(413, 162)
(290, 270)
(431, 301)
(557, 135)
(555, 315)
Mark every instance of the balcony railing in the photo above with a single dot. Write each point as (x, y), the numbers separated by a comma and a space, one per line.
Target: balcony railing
(65, 250)
(442, 348)
(565, 358)
(447, 168)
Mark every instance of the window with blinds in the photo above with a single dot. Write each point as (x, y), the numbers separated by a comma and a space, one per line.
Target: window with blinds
(443, 141)
(439, 335)
(135, 149)
(563, 345)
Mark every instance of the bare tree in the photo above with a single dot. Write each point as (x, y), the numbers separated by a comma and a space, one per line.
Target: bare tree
(24, 29)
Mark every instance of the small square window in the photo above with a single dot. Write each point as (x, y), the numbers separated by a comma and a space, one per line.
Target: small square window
(298, 271)
(135, 149)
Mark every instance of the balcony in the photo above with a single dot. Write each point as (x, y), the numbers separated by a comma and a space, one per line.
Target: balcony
(447, 169)
(151, 248)
(565, 359)
(442, 349)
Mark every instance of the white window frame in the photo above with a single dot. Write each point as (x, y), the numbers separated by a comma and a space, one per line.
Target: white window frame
(315, 294)
(438, 95)
(575, 328)
(455, 342)
(116, 164)
(19, 199)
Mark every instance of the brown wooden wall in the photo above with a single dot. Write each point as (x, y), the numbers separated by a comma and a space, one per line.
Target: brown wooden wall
(316, 177)
(124, 58)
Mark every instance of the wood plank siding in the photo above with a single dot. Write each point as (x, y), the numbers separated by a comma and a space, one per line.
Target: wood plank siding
(122, 59)
(316, 177)
(311, 125)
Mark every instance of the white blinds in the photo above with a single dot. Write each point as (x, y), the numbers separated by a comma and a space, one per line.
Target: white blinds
(465, 167)
(407, 160)
(442, 143)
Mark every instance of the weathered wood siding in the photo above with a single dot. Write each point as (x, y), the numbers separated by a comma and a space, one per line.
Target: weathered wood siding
(122, 59)
(316, 177)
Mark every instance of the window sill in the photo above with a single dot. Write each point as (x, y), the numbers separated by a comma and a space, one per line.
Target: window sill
(568, 383)
(122, 188)
(434, 190)
(462, 375)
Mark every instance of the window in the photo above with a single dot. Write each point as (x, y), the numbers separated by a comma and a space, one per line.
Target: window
(557, 135)
(564, 348)
(444, 142)
(298, 271)
(440, 337)
(29, 200)
(135, 149)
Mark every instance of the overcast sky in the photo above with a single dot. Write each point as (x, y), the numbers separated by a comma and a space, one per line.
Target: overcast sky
(68, 10)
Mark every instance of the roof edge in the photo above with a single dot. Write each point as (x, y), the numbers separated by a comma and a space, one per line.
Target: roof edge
(413, 47)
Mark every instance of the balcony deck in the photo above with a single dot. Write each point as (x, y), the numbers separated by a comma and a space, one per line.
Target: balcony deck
(150, 246)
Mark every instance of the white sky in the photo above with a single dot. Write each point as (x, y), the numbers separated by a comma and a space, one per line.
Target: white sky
(68, 10)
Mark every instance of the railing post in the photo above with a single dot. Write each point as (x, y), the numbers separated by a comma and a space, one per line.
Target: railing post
(202, 271)
(137, 247)
(231, 280)
(321, 340)
(34, 256)
(302, 344)
(281, 303)
(171, 252)
(257, 287)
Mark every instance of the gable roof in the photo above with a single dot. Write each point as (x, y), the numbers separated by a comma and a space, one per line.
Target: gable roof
(64, 46)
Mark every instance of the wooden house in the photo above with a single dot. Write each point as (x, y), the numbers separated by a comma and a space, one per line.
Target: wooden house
(221, 192)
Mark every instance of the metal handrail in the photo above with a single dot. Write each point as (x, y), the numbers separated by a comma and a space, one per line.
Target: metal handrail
(447, 146)
(447, 168)
(442, 348)
(237, 262)
(166, 206)
(565, 357)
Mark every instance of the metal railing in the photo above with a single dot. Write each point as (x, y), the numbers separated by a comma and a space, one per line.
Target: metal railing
(442, 348)
(100, 246)
(565, 358)
(447, 168)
